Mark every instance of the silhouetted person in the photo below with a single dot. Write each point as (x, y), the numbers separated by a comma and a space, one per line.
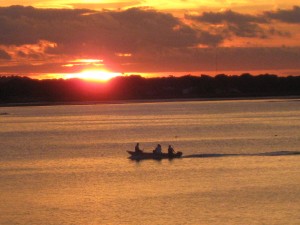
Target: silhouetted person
(171, 151)
(158, 150)
(137, 148)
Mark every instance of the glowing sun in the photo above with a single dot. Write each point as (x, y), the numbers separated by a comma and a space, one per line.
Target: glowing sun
(94, 75)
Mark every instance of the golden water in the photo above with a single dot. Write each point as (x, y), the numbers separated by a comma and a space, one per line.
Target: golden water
(68, 164)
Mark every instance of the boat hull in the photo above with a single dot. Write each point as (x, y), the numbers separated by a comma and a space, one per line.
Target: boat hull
(149, 155)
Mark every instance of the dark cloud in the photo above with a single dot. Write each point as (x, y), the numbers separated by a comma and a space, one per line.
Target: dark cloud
(274, 31)
(4, 55)
(287, 16)
(26, 25)
(246, 25)
(210, 39)
(97, 33)
(227, 16)
(242, 25)
(21, 54)
(250, 30)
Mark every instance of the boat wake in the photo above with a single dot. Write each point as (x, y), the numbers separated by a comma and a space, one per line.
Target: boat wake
(279, 153)
(210, 155)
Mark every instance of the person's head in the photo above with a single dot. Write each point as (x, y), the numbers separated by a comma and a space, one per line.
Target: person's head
(137, 144)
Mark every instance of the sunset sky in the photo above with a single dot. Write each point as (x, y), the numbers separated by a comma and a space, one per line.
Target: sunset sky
(51, 39)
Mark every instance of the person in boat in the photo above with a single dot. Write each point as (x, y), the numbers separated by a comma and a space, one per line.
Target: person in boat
(171, 151)
(158, 150)
(137, 148)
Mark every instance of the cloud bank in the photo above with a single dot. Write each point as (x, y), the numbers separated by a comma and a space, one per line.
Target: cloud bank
(287, 16)
(150, 40)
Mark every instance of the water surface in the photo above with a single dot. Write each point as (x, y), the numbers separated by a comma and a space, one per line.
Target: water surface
(68, 164)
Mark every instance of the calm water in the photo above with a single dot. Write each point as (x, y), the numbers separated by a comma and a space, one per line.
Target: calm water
(68, 164)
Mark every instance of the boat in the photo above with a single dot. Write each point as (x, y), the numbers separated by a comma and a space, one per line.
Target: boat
(150, 155)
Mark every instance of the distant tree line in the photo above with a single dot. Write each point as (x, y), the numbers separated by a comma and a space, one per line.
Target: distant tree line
(16, 89)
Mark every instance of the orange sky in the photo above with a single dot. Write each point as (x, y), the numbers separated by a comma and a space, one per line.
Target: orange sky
(63, 38)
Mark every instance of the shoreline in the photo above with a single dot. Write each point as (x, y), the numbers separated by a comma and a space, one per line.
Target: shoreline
(25, 104)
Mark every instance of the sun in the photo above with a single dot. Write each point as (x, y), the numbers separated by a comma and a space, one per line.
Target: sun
(94, 75)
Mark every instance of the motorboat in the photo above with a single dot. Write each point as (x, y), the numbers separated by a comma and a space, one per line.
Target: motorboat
(152, 155)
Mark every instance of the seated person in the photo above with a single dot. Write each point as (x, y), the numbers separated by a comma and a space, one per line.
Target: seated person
(137, 148)
(158, 149)
(171, 151)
